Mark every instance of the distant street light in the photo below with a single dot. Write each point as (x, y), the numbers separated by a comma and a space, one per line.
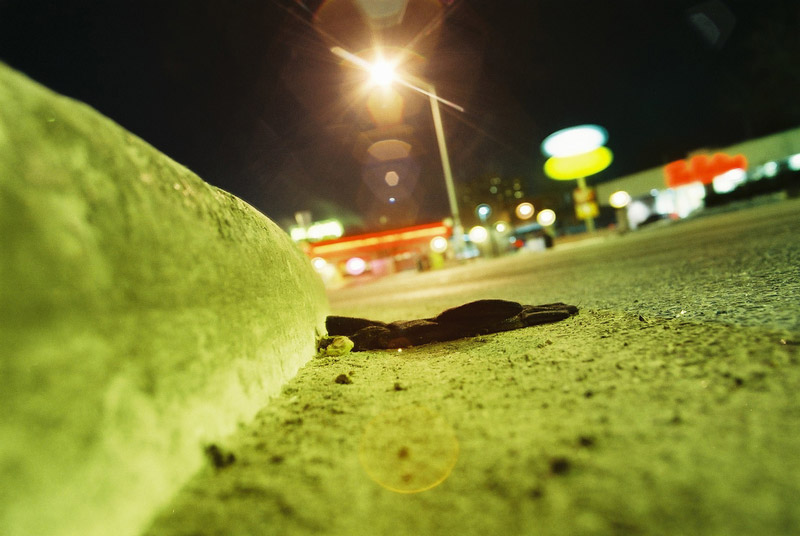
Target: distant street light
(546, 218)
(524, 210)
(382, 72)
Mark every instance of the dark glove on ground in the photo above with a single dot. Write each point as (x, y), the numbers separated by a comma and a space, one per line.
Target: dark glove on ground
(474, 318)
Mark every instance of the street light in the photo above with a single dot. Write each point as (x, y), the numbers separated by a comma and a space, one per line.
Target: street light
(383, 72)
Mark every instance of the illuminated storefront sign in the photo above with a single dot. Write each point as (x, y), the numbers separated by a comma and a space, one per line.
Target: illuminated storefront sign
(701, 168)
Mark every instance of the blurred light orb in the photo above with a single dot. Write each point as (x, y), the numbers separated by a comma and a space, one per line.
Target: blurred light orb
(581, 165)
(325, 229)
(478, 234)
(355, 266)
(483, 211)
(619, 199)
(392, 200)
(794, 162)
(389, 150)
(770, 169)
(319, 263)
(392, 178)
(729, 181)
(573, 141)
(438, 244)
(524, 211)
(501, 227)
(546, 217)
(638, 212)
(381, 73)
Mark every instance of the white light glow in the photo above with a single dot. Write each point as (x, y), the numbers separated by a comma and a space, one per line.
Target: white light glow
(729, 181)
(478, 234)
(501, 227)
(297, 233)
(619, 199)
(637, 213)
(524, 211)
(438, 244)
(770, 169)
(574, 140)
(325, 229)
(546, 217)
(689, 198)
(794, 162)
(381, 73)
(319, 263)
(355, 266)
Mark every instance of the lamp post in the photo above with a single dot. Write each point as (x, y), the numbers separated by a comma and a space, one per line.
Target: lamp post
(384, 74)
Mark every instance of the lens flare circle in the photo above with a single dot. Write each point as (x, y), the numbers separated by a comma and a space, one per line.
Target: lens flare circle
(409, 449)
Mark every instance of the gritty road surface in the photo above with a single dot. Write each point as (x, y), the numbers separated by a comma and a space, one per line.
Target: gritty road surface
(667, 405)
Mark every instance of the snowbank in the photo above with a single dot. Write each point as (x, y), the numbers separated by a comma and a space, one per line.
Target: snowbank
(143, 314)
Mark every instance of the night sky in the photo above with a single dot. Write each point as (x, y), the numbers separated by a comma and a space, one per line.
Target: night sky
(247, 94)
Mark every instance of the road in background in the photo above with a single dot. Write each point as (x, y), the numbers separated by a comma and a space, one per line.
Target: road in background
(737, 267)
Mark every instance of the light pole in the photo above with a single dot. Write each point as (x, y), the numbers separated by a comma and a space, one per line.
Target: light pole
(383, 73)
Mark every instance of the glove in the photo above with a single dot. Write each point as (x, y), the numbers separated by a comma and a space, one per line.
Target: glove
(473, 318)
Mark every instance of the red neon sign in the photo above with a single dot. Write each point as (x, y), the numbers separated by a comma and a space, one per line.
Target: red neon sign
(701, 168)
(384, 240)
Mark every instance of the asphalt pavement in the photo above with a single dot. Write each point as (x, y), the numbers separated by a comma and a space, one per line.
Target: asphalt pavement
(739, 267)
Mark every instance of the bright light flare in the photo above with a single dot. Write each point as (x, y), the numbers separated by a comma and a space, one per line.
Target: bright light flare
(501, 227)
(382, 73)
(546, 217)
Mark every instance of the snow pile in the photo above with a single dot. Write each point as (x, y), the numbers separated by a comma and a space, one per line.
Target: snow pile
(143, 314)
